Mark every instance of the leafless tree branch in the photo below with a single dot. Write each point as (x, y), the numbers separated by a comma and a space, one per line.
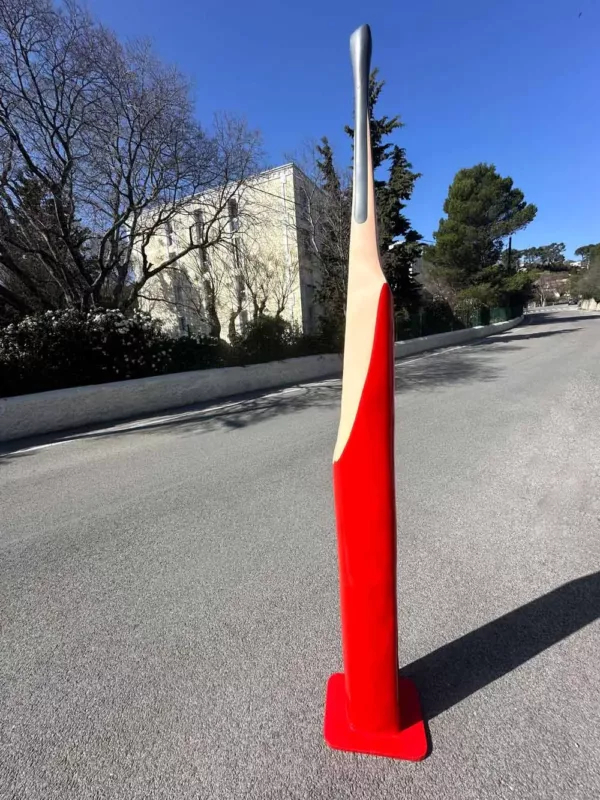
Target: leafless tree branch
(106, 135)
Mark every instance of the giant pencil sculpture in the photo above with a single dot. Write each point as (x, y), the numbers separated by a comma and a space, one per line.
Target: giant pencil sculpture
(369, 708)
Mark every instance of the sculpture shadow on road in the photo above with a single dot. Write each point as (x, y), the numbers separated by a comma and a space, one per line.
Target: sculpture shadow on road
(459, 669)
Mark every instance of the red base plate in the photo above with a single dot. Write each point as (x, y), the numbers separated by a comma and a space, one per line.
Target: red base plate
(409, 743)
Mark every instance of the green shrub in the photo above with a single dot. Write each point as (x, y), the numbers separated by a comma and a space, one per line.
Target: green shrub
(272, 339)
(587, 283)
(471, 311)
(197, 352)
(439, 317)
(519, 289)
(264, 339)
(58, 349)
(331, 333)
(482, 294)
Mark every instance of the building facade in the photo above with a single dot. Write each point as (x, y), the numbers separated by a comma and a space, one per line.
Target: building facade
(258, 258)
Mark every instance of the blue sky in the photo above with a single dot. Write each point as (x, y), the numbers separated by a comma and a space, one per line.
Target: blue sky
(514, 83)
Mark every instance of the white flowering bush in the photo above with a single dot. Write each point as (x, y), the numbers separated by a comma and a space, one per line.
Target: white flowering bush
(57, 349)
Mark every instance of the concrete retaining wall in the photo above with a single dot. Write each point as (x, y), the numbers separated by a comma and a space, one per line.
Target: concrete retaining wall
(48, 412)
(413, 346)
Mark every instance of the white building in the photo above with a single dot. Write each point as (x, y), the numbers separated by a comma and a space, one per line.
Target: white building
(258, 258)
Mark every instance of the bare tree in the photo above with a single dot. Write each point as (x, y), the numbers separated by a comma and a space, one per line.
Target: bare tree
(240, 269)
(269, 281)
(549, 287)
(107, 134)
(195, 288)
(324, 218)
(437, 283)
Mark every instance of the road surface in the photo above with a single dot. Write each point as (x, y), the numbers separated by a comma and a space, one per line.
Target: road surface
(168, 590)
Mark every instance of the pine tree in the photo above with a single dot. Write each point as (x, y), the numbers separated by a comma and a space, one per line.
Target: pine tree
(398, 241)
(333, 243)
(330, 180)
(482, 210)
(28, 222)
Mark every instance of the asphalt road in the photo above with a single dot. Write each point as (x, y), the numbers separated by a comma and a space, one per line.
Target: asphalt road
(168, 590)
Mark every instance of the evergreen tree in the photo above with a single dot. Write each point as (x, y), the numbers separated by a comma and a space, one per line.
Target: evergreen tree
(398, 241)
(29, 222)
(334, 239)
(330, 180)
(590, 254)
(482, 209)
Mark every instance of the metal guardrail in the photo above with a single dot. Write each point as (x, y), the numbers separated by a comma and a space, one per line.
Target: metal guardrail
(428, 322)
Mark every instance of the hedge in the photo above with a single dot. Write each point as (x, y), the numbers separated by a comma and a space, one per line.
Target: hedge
(58, 349)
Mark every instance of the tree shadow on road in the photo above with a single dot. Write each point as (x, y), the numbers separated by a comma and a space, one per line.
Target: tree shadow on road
(543, 318)
(444, 368)
(424, 373)
(459, 669)
(522, 336)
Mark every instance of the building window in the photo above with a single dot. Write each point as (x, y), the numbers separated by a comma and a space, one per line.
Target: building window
(178, 288)
(237, 259)
(179, 298)
(198, 238)
(198, 226)
(169, 233)
(234, 221)
(241, 288)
